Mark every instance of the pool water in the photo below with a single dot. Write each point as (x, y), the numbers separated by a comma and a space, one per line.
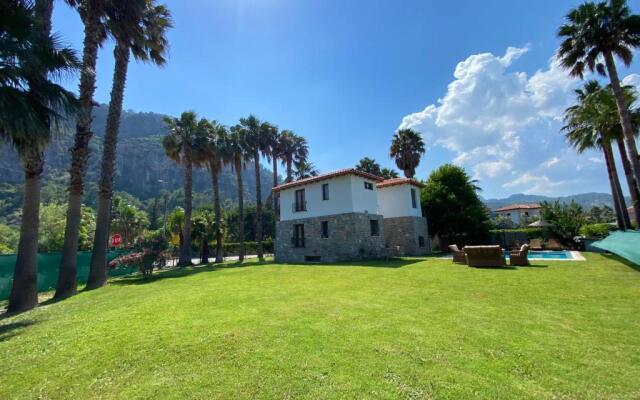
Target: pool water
(548, 255)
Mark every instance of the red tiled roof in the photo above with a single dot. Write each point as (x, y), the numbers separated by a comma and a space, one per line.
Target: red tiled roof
(531, 206)
(399, 181)
(334, 174)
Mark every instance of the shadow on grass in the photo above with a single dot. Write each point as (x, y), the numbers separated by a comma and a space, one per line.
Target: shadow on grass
(7, 331)
(621, 260)
(370, 263)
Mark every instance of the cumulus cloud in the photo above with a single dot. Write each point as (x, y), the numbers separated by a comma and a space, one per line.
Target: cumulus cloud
(499, 122)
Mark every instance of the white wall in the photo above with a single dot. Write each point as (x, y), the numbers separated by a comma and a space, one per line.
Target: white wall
(517, 216)
(364, 200)
(395, 201)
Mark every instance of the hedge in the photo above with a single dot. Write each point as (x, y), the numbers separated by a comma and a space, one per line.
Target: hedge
(532, 233)
(597, 231)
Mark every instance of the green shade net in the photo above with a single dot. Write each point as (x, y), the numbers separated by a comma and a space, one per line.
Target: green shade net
(623, 244)
(48, 265)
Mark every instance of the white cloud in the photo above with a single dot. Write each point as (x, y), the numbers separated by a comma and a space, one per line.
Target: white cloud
(633, 80)
(500, 123)
(596, 160)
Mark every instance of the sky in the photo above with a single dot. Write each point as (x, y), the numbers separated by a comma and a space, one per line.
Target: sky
(476, 78)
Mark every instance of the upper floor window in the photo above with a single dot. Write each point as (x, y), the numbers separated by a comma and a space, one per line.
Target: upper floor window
(299, 204)
(375, 228)
(325, 191)
(368, 185)
(414, 202)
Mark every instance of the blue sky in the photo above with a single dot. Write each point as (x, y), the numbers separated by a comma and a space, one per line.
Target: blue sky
(473, 76)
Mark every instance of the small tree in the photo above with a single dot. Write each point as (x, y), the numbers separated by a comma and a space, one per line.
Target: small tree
(565, 219)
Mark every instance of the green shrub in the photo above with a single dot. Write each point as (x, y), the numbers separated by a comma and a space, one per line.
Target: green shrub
(532, 233)
(232, 249)
(596, 231)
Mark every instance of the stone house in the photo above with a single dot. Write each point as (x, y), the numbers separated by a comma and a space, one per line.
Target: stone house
(349, 215)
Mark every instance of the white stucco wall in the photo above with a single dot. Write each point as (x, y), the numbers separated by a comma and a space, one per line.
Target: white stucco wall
(364, 200)
(395, 201)
(518, 215)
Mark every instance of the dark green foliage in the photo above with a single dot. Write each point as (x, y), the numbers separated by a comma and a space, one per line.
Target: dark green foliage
(596, 231)
(566, 219)
(231, 249)
(531, 233)
(452, 206)
(369, 165)
(231, 222)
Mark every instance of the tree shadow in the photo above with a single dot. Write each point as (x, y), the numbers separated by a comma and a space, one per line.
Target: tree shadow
(621, 260)
(7, 331)
(369, 263)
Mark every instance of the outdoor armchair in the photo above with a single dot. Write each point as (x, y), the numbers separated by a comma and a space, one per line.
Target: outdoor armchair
(520, 257)
(458, 255)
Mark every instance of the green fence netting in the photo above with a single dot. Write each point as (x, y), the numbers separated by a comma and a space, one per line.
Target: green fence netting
(624, 244)
(48, 264)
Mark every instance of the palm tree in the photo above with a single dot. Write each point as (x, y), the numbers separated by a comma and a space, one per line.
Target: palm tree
(305, 169)
(597, 31)
(294, 149)
(31, 105)
(235, 154)
(257, 145)
(139, 28)
(179, 145)
(210, 139)
(406, 148)
(204, 227)
(92, 13)
(586, 128)
(387, 173)
(370, 166)
(272, 139)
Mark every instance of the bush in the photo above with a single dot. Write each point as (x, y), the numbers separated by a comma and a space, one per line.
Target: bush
(532, 233)
(596, 231)
(232, 249)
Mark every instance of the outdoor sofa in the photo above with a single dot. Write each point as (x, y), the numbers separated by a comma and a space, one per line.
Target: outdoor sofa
(485, 256)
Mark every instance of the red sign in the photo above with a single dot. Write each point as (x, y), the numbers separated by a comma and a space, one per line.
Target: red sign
(116, 240)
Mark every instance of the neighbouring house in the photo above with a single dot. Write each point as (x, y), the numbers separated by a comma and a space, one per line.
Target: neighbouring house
(349, 215)
(520, 213)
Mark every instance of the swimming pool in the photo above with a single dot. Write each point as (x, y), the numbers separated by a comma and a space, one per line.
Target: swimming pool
(553, 255)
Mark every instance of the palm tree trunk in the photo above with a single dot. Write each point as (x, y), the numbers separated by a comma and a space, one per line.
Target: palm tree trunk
(621, 208)
(98, 269)
(67, 285)
(628, 173)
(24, 291)
(256, 167)
(216, 209)
(238, 168)
(289, 169)
(204, 250)
(274, 195)
(625, 119)
(185, 250)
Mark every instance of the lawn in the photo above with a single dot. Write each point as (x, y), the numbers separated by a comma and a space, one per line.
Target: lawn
(412, 328)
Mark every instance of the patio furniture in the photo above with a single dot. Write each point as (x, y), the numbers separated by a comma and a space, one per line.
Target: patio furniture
(458, 255)
(552, 244)
(535, 244)
(520, 257)
(485, 256)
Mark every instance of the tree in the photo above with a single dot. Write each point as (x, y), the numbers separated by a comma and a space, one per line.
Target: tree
(594, 32)
(153, 214)
(92, 14)
(175, 224)
(305, 169)
(52, 227)
(294, 149)
(369, 165)
(31, 104)
(128, 220)
(235, 154)
(139, 28)
(8, 239)
(452, 207)
(406, 149)
(204, 228)
(387, 173)
(587, 127)
(179, 145)
(257, 134)
(274, 154)
(566, 219)
(209, 152)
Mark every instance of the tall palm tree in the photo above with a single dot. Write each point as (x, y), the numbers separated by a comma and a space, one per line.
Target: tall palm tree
(387, 173)
(209, 152)
(92, 13)
(180, 146)
(139, 28)
(272, 138)
(235, 154)
(599, 31)
(257, 145)
(30, 106)
(406, 149)
(294, 149)
(586, 128)
(370, 166)
(305, 169)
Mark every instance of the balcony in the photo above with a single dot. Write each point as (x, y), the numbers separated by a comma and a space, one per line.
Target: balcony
(299, 206)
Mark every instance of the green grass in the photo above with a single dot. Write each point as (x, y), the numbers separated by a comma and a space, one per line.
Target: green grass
(401, 329)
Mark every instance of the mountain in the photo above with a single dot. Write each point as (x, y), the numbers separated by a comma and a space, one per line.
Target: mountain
(586, 200)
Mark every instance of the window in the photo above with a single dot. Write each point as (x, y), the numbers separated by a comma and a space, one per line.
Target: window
(421, 241)
(298, 235)
(368, 185)
(526, 213)
(375, 229)
(324, 229)
(325, 191)
(312, 258)
(414, 203)
(300, 204)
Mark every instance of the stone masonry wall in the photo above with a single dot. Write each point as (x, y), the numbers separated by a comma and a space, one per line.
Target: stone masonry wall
(403, 233)
(349, 239)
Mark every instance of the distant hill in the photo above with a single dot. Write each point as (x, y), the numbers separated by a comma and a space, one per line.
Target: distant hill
(586, 200)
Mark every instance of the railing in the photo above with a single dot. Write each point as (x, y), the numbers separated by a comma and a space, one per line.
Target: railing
(299, 206)
(297, 241)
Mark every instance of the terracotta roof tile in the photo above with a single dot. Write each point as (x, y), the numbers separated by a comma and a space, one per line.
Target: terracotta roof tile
(531, 206)
(399, 181)
(322, 177)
